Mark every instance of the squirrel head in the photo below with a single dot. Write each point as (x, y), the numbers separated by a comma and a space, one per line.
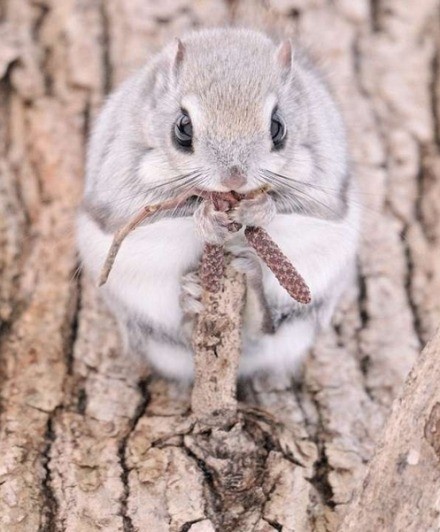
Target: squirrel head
(223, 106)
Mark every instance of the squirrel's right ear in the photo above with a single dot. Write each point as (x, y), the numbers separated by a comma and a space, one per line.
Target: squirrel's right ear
(284, 56)
(179, 54)
(168, 67)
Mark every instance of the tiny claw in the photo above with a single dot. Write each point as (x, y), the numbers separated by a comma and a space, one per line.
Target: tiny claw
(258, 211)
(212, 225)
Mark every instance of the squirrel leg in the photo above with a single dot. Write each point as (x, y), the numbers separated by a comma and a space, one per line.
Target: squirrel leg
(257, 318)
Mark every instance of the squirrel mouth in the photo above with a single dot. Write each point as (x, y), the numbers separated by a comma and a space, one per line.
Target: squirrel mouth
(222, 200)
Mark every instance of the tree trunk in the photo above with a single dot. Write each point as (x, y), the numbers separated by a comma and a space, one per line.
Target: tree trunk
(90, 439)
(401, 489)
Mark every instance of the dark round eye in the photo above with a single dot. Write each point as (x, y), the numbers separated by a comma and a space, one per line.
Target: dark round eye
(183, 132)
(277, 130)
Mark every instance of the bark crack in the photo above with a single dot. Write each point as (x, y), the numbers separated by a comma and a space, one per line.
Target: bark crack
(273, 524)
(72, 332)
(40, 19)
(50, 506)
(211, 497)
(435, 94)
(321, 468)
(375, 12)
(125, 470)
(187, 526)
(410, 273)
(106, 48)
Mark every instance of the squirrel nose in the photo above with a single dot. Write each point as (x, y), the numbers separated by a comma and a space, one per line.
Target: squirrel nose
(234, 178)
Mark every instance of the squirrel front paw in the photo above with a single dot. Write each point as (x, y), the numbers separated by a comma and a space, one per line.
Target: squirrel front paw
(212, 225)
(190, 302)
(246, 261)
(256, 212)
(257, 316)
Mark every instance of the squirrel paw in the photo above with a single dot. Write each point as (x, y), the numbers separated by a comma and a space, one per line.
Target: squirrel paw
(255, 212)
(246, 261)
(212, 225)
(190, 295)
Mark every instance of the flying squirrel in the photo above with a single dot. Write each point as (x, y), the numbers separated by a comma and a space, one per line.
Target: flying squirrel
(221, 110)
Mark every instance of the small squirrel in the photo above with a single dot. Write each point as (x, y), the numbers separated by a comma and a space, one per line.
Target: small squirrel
(221, 110)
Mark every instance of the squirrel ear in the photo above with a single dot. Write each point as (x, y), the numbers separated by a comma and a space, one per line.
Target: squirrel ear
(284, 55)
(178, 56)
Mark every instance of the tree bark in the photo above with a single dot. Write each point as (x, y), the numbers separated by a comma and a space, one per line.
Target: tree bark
(89, 438)
(396, 493)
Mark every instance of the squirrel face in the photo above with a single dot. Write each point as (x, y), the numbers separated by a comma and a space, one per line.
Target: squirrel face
(228, 110)
(221, 110)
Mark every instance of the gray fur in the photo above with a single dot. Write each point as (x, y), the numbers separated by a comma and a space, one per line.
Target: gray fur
(235, 72)
(228, 80)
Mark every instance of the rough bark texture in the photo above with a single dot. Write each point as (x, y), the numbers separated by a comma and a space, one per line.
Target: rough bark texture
(217, 344)
(396, 492)
(90, 440)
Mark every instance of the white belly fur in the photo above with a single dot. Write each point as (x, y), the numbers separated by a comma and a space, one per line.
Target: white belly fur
(146, 279)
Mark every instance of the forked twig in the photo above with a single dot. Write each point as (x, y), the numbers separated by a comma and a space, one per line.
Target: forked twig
(142, 215)
(212, 265)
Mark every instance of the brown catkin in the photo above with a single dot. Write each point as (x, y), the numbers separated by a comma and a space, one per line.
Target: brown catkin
(280, 265)
(212, 267)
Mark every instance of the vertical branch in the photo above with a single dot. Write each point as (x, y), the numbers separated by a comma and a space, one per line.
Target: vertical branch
(217, 348)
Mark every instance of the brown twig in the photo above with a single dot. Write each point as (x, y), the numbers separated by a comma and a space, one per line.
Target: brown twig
(142, 215)
(217, 349)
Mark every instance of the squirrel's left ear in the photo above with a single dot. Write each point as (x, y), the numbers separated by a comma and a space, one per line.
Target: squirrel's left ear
(284, 55)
